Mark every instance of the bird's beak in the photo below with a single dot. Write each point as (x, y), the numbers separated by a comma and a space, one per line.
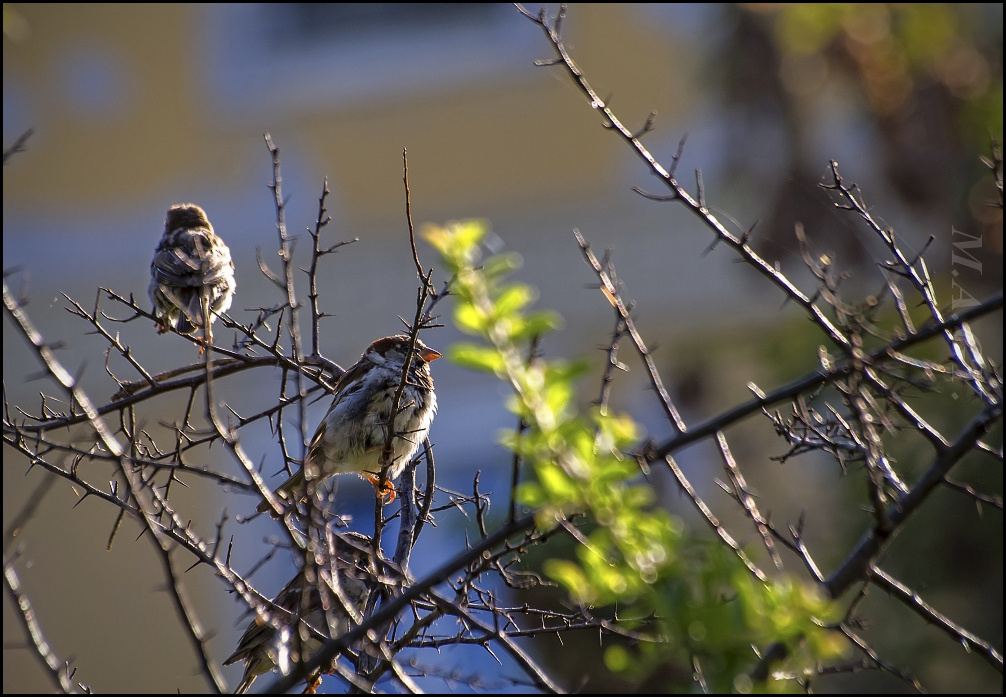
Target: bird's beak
(429, 354)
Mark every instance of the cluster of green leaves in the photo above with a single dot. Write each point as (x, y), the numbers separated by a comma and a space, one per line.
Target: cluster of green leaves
(702, 600)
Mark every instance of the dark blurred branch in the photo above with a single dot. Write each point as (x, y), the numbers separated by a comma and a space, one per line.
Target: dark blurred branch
(18, 145)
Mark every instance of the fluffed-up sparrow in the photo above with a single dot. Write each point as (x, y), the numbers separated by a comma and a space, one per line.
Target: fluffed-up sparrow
(191, 275)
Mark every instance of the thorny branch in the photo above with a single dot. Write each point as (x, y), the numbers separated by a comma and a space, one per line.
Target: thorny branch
(850, 409)
(874, 380)
(149, 460)
(59, 672)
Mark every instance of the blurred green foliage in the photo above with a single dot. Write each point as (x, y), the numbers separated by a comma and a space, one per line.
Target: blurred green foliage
(696, 602)
(895, 49)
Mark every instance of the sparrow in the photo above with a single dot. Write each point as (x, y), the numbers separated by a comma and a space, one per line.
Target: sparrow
(191, 275)
(318, 615)
(352, 435)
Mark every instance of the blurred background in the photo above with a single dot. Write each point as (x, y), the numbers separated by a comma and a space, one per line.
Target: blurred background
(137, 107)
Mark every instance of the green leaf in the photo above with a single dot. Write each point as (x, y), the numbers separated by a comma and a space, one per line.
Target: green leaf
(499, 266)
(468, 234)
(531, 494)
(536, 324)
(457, 241)
(438, 237)
(570, 575)
(513, 299)
(469, 319)
(476, 357)
(557, 484)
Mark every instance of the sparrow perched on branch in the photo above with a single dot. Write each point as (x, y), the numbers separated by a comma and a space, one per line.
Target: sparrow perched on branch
(352, 436)
(306, 615)
(192, 275)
